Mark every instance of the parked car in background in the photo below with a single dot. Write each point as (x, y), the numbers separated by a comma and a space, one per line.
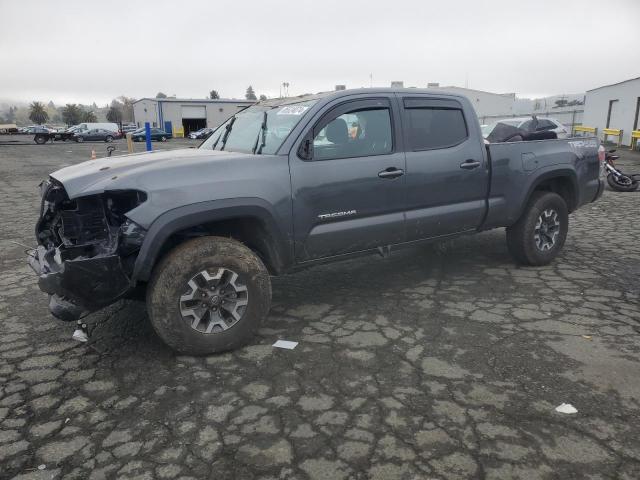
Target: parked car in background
(96, 134)
(31, 129)
(531, 124)
(202, 133)
(128, 127)
(156, 134)
(86, 126)
(9, 128)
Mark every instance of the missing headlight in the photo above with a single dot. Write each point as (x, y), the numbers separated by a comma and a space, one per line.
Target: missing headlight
(118, 203)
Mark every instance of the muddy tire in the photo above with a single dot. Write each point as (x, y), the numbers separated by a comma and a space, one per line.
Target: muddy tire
(208, 295)
(539, 234)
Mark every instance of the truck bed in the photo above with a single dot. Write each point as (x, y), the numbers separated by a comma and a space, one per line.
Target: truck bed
(517, 167)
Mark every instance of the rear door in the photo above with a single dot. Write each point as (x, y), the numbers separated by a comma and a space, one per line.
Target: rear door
(447, 172)
(348, 189)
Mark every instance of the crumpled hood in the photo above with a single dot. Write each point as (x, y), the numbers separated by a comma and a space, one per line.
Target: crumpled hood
(127, 171)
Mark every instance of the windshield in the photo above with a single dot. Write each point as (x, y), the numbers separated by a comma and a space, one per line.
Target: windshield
(257, 129)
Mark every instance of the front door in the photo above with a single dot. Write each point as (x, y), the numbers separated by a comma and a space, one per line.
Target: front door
(348, 180)
(447, 172)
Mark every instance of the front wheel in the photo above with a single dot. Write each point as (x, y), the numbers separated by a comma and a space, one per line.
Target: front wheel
(622, 183)
(539, 234)
(163, 138)
(208, 295)
(108, 139)
(79, 139)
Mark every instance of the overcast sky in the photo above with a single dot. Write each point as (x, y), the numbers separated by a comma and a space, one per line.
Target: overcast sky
(84, 51)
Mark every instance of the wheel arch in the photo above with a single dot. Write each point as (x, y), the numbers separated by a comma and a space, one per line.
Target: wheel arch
(251, 223)
(564, 182)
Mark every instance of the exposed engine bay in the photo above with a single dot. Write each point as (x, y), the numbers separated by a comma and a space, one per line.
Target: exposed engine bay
(86, 248)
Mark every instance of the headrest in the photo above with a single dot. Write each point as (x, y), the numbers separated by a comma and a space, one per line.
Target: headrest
(337, 131)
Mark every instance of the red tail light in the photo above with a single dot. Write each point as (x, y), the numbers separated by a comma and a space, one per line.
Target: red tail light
(601, 154)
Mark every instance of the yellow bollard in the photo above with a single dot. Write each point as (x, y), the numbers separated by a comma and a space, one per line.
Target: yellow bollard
(581, 128)
(614, 132)
(129, 143)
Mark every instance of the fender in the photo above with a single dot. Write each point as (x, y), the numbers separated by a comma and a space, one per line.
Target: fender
(552, 171)
(206, 212)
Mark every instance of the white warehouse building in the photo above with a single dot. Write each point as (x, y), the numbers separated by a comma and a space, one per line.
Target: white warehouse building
(487, 105)
(614, 106)
(173, 114)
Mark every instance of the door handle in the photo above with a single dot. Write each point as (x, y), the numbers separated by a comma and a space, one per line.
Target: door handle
(470, 164)
(391, 172)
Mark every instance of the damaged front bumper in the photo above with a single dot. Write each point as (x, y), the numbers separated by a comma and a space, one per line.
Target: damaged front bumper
(86, 250)
(78, 285)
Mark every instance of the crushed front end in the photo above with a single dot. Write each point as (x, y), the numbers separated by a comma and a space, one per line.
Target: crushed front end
(86, 248)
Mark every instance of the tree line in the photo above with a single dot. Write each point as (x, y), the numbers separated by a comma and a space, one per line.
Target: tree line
(71, 114)
(119, 111)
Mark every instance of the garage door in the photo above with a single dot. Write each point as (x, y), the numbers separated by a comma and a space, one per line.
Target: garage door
(193, 112)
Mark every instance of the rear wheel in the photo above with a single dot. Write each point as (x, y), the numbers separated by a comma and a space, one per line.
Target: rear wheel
(108, 139)
(208, 295)
(40, 139)
(539, 234)
(79, 139)
(163, 138)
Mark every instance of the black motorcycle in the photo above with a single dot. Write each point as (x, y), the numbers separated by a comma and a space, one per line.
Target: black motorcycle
(618, 181)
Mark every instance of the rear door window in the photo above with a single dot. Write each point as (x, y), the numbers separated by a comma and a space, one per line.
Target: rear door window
(541, 124)
(546, 125)
(432, 126)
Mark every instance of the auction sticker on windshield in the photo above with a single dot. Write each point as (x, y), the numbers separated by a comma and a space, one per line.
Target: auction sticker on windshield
(293, 110)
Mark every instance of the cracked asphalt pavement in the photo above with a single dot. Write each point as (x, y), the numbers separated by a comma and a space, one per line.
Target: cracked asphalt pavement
(440, 362)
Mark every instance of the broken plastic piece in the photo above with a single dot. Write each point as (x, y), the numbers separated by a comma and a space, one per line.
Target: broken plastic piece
(285, 344)
(566, 408)
(42, 467)
(79, 335)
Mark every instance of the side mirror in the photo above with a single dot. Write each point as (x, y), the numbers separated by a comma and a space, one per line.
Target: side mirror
(305, 151)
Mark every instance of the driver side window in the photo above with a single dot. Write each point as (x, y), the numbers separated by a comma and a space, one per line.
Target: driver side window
(358, 133)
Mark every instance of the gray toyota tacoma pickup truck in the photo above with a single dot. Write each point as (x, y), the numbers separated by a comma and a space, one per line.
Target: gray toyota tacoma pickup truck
(287, 183)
